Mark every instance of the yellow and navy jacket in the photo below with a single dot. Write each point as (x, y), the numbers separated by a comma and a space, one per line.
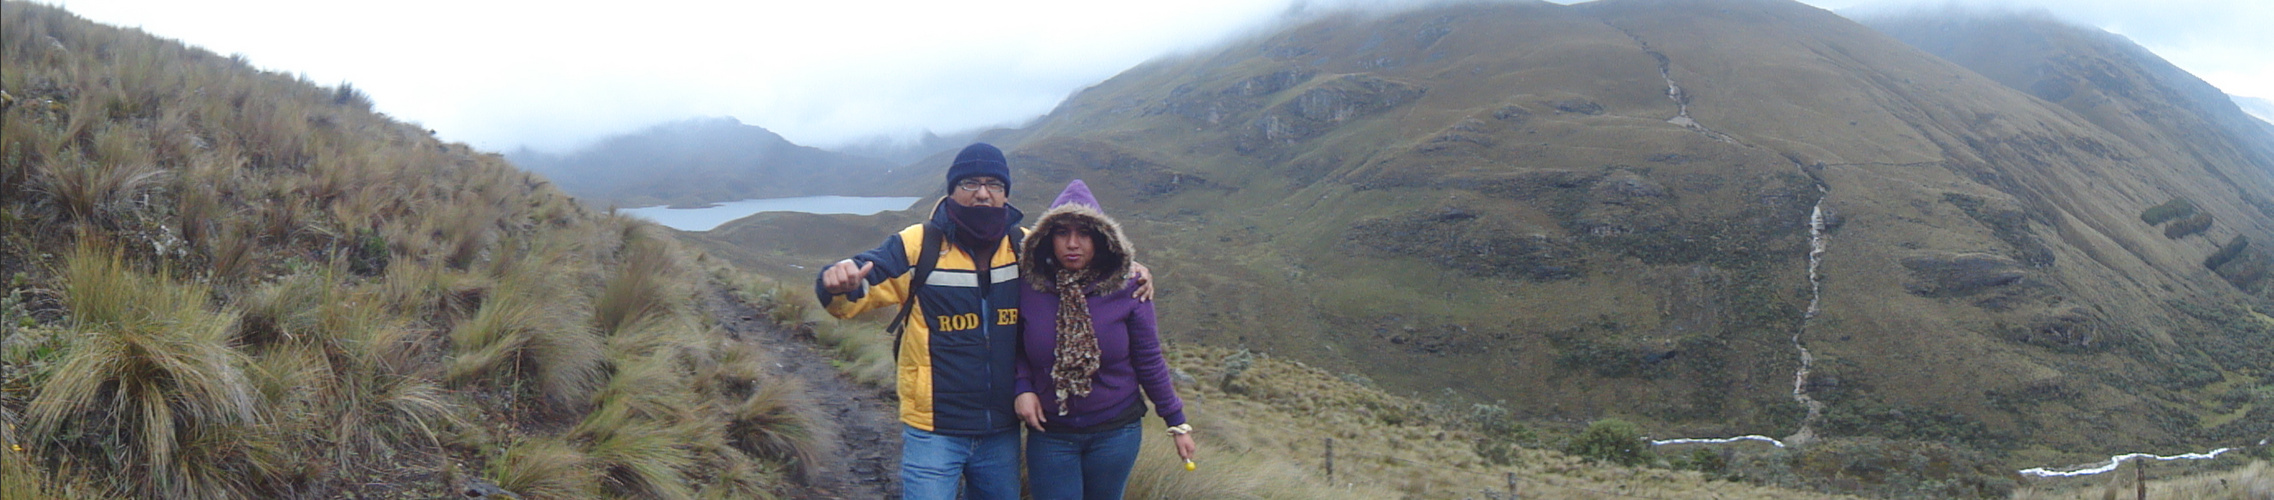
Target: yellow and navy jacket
(959, 351)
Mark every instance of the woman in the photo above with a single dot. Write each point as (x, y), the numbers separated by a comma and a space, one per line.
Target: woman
(1086, 349)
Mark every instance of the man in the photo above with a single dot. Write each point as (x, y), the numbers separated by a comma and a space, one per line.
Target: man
(957, 350)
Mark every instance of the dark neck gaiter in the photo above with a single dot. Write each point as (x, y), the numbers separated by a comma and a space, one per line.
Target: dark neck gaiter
(979, 229)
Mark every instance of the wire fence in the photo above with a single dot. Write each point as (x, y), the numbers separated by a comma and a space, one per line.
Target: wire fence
(1517, 486)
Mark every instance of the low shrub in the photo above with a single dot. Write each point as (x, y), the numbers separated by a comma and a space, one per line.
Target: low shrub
(2176, 208)
(1612, 440)
(1709, 462)
(2227, 252)
(2190, 226)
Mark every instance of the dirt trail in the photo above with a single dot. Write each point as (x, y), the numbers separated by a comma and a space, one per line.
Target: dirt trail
(865, 463)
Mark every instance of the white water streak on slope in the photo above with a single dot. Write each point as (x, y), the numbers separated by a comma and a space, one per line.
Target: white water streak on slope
(2118, 460)
(1815, 305)
(1807, 431)
(1682, 102)
(1816, 248)
(1815, 300)
(1765, 439)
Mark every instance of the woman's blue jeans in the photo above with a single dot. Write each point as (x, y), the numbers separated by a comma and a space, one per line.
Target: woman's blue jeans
(1093, 466)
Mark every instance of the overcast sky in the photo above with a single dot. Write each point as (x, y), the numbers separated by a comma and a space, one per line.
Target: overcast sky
(556, 74)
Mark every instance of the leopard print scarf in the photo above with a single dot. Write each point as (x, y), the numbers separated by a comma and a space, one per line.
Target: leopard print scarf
(1077, 352)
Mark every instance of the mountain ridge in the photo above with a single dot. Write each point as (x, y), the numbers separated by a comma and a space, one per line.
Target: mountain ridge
(700, 161)
(1613, 200)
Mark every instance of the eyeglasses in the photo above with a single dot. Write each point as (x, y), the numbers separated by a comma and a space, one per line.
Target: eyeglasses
(973, 185)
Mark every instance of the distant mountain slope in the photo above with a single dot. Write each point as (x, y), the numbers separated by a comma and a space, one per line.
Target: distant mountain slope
(2258, 107)
(903, 153)
(1606, 209)
(703, 161)
(2103, 77)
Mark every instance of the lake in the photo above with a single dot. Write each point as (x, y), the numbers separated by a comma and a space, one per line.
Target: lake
(705, 219)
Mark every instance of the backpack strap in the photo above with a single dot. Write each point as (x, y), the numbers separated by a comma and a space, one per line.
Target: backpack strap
(927, 258)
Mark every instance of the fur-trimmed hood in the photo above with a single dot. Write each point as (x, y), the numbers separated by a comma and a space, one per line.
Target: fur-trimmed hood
(1077, 209)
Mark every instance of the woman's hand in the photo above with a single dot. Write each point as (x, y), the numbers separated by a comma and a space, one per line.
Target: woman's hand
(1029, 407)
(1144, 277)
(1184, 446)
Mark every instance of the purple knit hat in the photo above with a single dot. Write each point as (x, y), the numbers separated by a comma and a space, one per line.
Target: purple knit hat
(1078, 193)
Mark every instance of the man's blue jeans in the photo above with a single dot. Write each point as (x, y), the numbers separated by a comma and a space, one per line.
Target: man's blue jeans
(931, 464)
(1094, 466)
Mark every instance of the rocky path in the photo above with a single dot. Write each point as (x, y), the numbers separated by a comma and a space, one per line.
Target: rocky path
(865, 463)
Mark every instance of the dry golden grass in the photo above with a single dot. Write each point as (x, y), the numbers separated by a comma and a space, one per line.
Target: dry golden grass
(859, 347)
(86, 190)
(1232, 472)
(862, 348)
(261, 288)
(148, 370)
(778, 421)
(2251, 482)
(1286, 410)
(637, 291)
(544, 468)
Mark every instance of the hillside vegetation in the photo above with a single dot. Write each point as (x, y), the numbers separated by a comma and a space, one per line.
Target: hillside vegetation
(230, 283)
(1609, 209)
(1264, 424)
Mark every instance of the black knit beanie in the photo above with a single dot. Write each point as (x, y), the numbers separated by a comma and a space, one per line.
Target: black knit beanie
(979, 160)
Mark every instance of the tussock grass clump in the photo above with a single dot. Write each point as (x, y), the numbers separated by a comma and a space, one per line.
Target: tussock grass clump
(788, 304)
(86, 190)
(521, 334)
(639, 289)
(544, 467)
(777, 421)
(149, 383)
(636, 456)
(863, 349)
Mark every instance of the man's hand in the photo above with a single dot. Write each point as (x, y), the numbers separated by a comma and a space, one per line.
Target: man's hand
(1144, 276)
(843, 277)
(1029, 407)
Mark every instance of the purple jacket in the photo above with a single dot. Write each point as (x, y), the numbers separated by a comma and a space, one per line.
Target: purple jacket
(1129, 348)
(1129, 358)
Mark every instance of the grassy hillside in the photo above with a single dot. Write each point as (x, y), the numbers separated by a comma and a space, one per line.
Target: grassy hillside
(230, 283)
(1604, 210)
(2122, 88)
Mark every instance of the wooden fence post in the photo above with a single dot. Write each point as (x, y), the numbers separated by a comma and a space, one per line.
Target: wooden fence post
(1330, 460)
(2140, 478)
(1512, 495)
